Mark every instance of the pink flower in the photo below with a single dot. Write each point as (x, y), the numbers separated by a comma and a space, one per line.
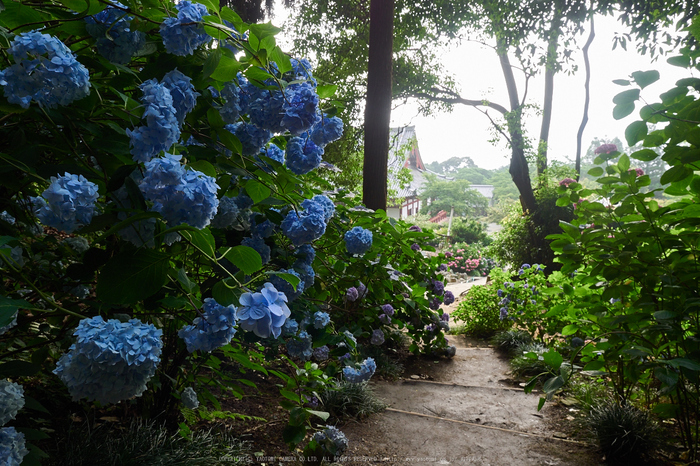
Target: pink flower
(639, 171)
(566, 182)
(606, 149)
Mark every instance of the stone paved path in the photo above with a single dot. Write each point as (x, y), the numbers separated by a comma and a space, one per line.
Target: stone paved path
(461, 411)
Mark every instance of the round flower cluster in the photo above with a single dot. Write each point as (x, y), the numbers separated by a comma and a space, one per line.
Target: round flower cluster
(110, 361)
(415, 228)
(358, 240)
(304, 264)
(605, 149)
(365, 372)
(179, 195)
(11, 400)
(303, 155)
(68, 202)
(285, 287)
(290, 328)
(45, 71)
(271, 152)
(258, 243)
(189, 399)
(161, 129)
(252, 138)
(300, 108)
(448, 298)
(212, 330)
(352, 294)
(415, 247)
(321, 319)
(637, 171)
(263, 313)
(182, 35)
(226, 214)
(230, 110)
(182, 92)
(463, 264)
(12, 447)
(377, 337)
(307, 225)
(331, 440)
(438, 287)
(77, 244)
(321, 353)
(114, 39)
(566, 182)
(300, 348)
(326, 131)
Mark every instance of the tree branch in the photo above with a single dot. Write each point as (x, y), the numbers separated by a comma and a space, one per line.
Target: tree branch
(455, 98)
(584, 120)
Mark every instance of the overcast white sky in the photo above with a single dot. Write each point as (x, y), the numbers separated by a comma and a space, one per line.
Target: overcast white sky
(466, 132)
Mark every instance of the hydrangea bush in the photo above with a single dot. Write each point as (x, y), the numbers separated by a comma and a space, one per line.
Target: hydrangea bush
(165, 207)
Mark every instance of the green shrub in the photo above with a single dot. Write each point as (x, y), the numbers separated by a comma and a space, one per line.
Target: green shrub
(625, 433)
(510, 340)
(480, 312)
(529, 361)
(469, 231)
(355, 400)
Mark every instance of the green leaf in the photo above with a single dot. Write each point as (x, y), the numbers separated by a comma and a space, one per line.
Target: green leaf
(327, 91)
(257, 191)
(133, 276)
(212, 5)
(553, 359)
(224, 295)
(294, 434)
(226, 69)
(683, 362)
(245, 258)
(281, 59)
(680, 60)
(624, 163)
(8, 309)
(569, 329)
(203, 166)
(621, 82)
(553, 384)
(230, 140)
(622, 110)
(290, 278)
(635, 132)
(596, 171)
(541, 403)
(594, 366)
(201, 239)
(677, 173)
(187, 284)
(666, 410)
(322, 414)
(626, 97)
(645, 155)
(644, 78)
(211, 63)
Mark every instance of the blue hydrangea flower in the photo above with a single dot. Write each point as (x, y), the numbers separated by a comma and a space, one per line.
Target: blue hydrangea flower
(226, 215)
(234, 35)
(110, 361)
(365, 372)
(114, 38)
(45, 71)
(182, 92)
(387, 309)
(266, 108)
(258, 243)
(449, 298)
(161, 129)
(189, 399)
(290, 328)
(77, 244)
(251, 137)
(321, 353)
(141, 232)
(302, 155)
(68, 202)
(525, 266)
(272, 152)
(321, 319)
(377, 337)
(285, 287)
(263, 313)
(214, 329)
(12, 447)
(13, 255)
(331, 440)
(300, 108)
(243, 201)
(352, 294)
(301, 70)
(358, 240)
(264, 229)
(182, 35)
(179, 195)
(326, 131)
(306, 273)
(503, 313)
(306, 226)
(323, 201)
(306, 254)
(450, 351)
(11, 400)
(231, 108)
(300, 347)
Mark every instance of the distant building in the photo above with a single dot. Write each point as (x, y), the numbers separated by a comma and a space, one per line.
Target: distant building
(404, 153)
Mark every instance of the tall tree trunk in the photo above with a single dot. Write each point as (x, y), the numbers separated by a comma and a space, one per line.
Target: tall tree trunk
(519, 170)
(587, 86)
(378, 108)
(551, 69)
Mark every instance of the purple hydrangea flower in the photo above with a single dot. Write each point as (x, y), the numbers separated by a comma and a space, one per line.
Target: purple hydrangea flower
(214, 329)
(438, 287)
(566, 182)
(442, 268)
(387, 309)
(448, 298)
(434, 303)
(385, 319)
(415, 247)
(358, 240)
(377, 337)
(503, 313)
(263, 313)
(605, 149)
(352, 294)
(361, 290)
(321, 353)
(415, 228)
(182, 35)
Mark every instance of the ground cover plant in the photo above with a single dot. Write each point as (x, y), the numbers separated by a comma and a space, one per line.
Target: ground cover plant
(166, 229)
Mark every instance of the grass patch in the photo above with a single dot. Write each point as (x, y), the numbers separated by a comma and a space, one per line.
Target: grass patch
(356, 400)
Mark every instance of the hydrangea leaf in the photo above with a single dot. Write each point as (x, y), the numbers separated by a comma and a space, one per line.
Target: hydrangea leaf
(635, 132)
(322, 414)
(326, 91)
(645, 78)
(130, 277)
(226, 69)
(245, 258)
(201, 239)
(290, 278)
(223, 294)
(257, 191)
(8, 309)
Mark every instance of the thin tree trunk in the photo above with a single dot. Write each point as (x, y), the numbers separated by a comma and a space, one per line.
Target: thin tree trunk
(587, 86)
(519, 170)
(550, 70)
(378, 108)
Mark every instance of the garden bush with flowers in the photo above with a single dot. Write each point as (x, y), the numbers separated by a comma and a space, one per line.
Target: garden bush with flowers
(166, 229)
(469, 259)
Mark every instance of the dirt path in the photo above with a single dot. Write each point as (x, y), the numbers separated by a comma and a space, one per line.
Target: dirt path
(461, 411)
